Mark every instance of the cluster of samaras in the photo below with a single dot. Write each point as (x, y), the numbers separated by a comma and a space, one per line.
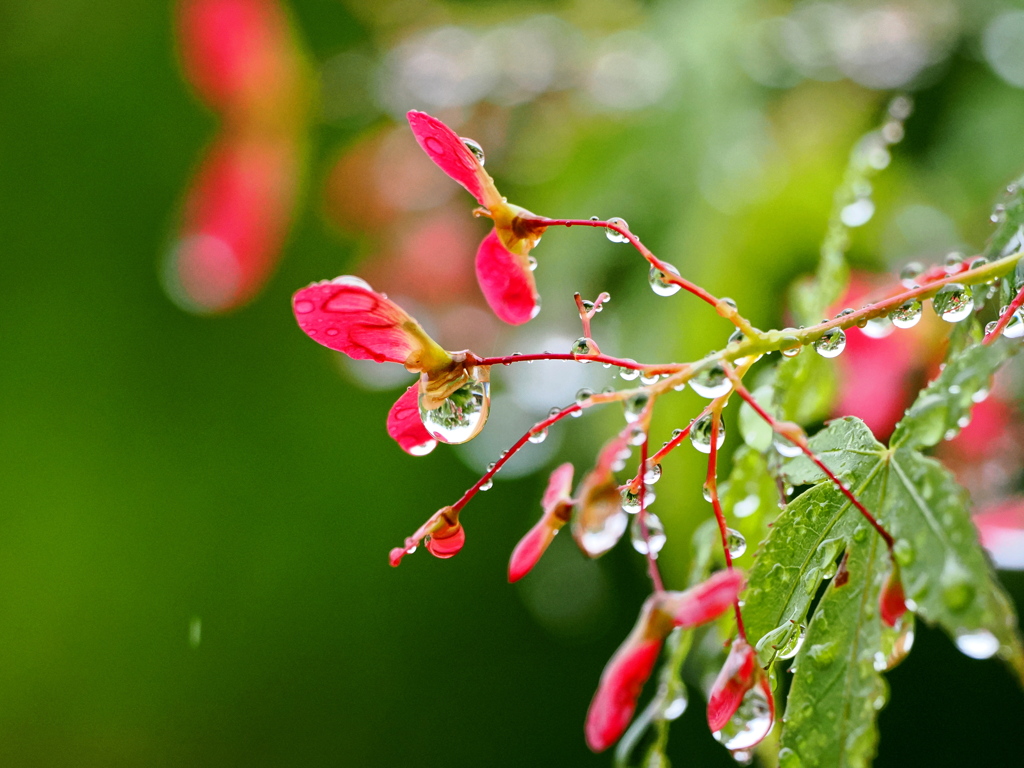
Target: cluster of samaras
(449, 403)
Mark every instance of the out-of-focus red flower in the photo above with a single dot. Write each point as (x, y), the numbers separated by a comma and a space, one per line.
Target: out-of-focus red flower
(244, 61)
(739, 674)
(630, 667)
(557, 506)
(235, 217)
(502, 261)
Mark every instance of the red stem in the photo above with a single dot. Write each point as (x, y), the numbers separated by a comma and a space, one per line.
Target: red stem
(712, 484)
(619, 361)
(670, 277)
(802, 444)
(1003, 321)
(652, 557)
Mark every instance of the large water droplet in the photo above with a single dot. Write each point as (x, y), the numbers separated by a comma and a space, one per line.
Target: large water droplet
(583, 396)
(953, 303)
(655, 534)
(978, 643)
(858, 213)
(711, 382)
(605, 535)
(736, 542)
(634, 405)
(783, 642)
(584, 345)
(614, 236)
(653, 474)
(910, 273)
(906, 315)
(461, 416)
(877, 327)
(831, 344)
(630, 501)
(448, 545)
(659, 284)
(475, 149)
(749, 725)
(539, 436)
(700, 434)
(1014, 329)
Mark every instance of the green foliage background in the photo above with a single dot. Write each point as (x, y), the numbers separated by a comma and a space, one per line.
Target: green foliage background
(156, 466)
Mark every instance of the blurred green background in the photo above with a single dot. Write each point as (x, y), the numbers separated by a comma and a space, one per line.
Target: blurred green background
(195, 511)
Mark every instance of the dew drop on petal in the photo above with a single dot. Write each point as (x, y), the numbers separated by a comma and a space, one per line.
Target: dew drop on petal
(711, 382)
(655, 534)
(476, 150)
(978, 644)
(736, 542)
(907, 315)
(831, 344)
(614, 236)
(658, 282)
(953, 303)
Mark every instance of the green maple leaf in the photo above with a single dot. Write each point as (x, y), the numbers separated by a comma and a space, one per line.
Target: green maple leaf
(837, 687)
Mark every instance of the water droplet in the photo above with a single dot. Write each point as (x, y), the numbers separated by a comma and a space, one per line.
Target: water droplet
(653, 474)
(749, 725)
(675, 704)
(979, 396)
(1015, 328)
(487, 484)
(978, 644)
(743, 756)
(700, 434)
(629, 374)
(858, 213)
(831, 344)
(630, 501)
(447, 545)
(910, 273)
(904, 552)
(583, 396)
(659, 284)
(648, 379)
(304, 307)
(792, 351)
(584, 345)
(531, 262)
(711, 382)
(475, 149)
(736, 337)
(877, 327)
(957, 590)
(953, 303)
(655, 534)
(896, 643)
(706, 493)
(614, 236)
(786, 447)
(783, 642)
(539, 436)
(990, 327)
(736, 542)
(954, 261)
(747, 506)
(461, 416)
(605, 534)
(634, 405)
(906, 315)
(998, 214)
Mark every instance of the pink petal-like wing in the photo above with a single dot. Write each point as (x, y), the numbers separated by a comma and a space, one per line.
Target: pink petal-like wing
(529, 549)
(738, 675)
(624, 676)
(1001, 529)
(892, 603)
(704, 602)
(405, 426)
(557, 507)
(506, 281)
(347, 315)
(445, 148)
